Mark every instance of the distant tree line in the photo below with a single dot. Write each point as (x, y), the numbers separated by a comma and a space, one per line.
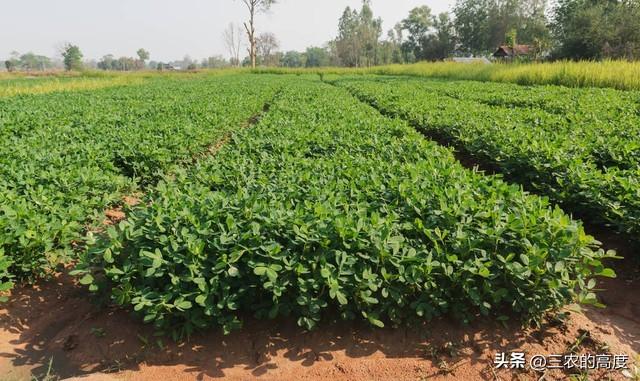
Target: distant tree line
(109, 62)
(571, 29)
(27, 62)
(597, 29)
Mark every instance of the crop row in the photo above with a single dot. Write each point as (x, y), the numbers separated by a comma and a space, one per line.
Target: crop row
(588, 164)
(328, 210)
(605, 121)
(66, 157)
(579, 104)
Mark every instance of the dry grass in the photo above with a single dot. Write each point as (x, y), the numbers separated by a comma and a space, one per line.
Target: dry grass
(12, 87)
(18, 83)
(621, 75)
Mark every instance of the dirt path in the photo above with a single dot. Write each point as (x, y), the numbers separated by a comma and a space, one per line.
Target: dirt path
(56, 322)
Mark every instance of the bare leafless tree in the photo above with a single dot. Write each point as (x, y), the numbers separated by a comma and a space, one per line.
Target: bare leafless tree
(254, 7)
(232, 40)
(266, 45)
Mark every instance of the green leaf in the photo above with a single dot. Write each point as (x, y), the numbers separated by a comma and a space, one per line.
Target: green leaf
(374, 321)
(201, 300)
(108, 256)
(609, 273)
(87, 279)
(183, 305)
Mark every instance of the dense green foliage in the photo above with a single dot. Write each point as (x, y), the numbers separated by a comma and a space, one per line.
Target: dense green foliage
(27, 62)
(483, 25)
(327, 209)
(579, 147)
(65, 157)
(72, 57)
(593, 29)
(358, 34)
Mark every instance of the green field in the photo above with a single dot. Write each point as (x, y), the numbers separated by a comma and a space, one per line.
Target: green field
(288, 195)
(579, 147)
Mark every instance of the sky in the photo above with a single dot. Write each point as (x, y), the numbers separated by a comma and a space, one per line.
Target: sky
(171, 29)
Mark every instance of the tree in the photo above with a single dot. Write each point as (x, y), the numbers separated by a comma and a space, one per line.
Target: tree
(143, 56)
(535, 30)
(482, 25)
(231, 37)
(370, 31)
(348, 43)
(107, 62)
(358, 36)
(592, 29)
(417, 25)
(317, 57)
(30, 61)
(72, 57)
(214, 62)
(386, 52)
(403, 53)
(10, 65)
(293, 59)
(126, 63)
(512, 38)
(429, 37)
(13, 62)
(254, 7)
(266, 45)
(472, 19)
(442, 42)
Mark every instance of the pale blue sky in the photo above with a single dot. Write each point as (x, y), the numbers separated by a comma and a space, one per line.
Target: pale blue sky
(169, 29)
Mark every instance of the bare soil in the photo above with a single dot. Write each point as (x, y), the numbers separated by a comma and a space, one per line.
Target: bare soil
(55, 327)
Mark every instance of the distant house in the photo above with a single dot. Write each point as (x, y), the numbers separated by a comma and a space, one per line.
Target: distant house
(168, 67)
(506, 52)
(165, 66)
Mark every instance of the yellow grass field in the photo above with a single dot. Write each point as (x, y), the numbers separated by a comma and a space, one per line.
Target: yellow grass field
(620, 75)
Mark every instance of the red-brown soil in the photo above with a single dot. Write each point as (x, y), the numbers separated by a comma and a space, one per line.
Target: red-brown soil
(116, 214)
(56, 322)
